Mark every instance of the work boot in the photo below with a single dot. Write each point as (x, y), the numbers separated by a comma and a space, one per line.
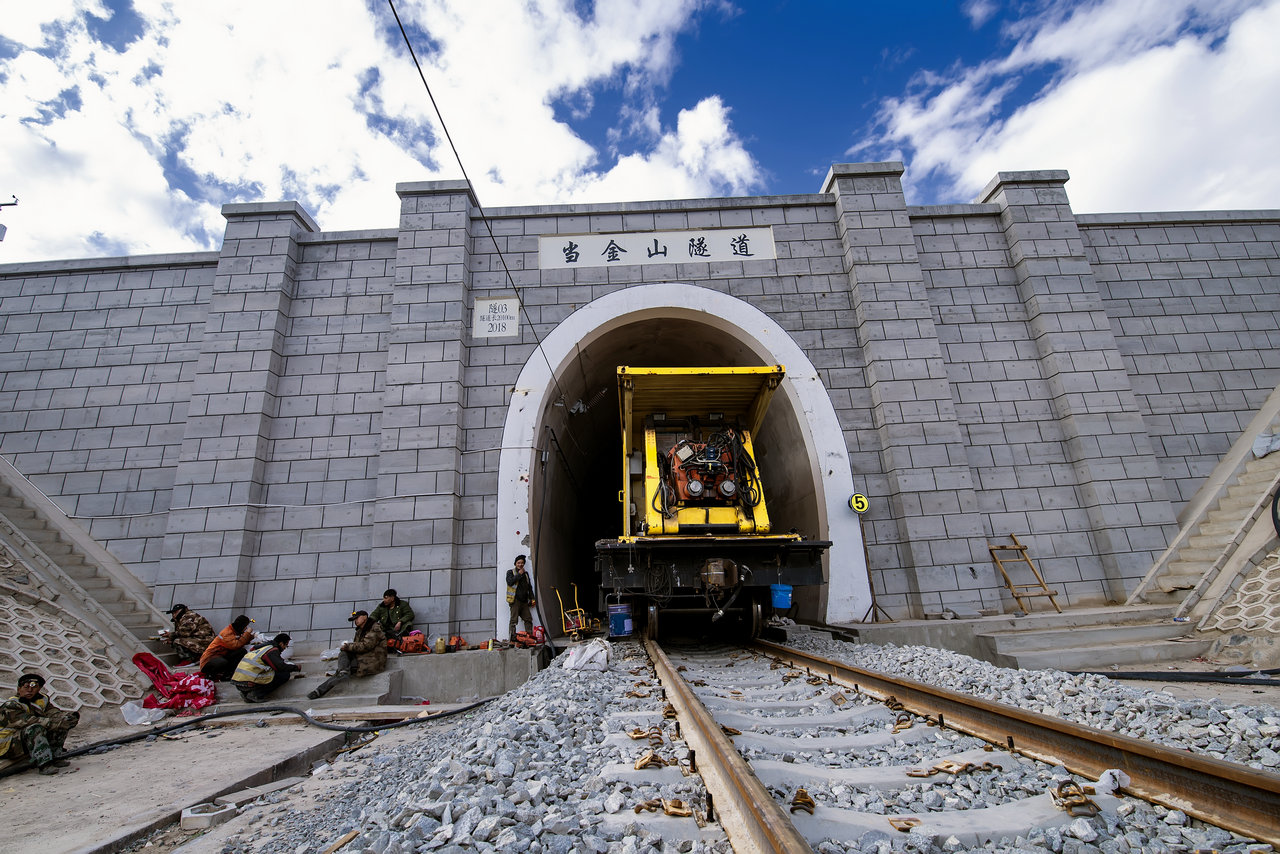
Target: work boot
(47, 769)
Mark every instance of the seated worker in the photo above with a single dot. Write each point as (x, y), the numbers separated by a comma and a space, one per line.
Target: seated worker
(263, 670)
(394, 615)
(364, 655)
(225, 651)
(190, 635)
(32, 728)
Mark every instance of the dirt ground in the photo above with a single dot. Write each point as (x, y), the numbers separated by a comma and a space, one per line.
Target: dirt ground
(304, 796)
(1235, 694)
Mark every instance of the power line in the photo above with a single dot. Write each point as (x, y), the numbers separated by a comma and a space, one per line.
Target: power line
(483, 216)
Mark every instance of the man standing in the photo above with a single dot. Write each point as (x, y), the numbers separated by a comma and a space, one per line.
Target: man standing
(363, 655)
(190, 635)
(224, 652)
(394, 615)
(520, 597)
(262, 671)
(31, 727)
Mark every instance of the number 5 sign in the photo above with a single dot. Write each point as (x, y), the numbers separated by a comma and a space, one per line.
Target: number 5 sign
(496, 318)
(858, 503)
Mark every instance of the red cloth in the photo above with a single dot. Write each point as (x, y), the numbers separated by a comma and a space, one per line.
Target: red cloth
(179, 691)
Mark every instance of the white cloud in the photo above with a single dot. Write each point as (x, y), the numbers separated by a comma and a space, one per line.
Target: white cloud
(244, 101)
(1150, 106)
(979, 11)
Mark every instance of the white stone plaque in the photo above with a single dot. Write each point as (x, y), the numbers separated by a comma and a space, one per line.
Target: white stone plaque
(496, 317)
(560, 251)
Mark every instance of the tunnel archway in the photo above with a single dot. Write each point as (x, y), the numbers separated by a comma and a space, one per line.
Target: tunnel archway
(560, 469)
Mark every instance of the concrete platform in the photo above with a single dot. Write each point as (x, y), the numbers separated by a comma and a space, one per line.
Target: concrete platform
(116, 797)
(449, 678)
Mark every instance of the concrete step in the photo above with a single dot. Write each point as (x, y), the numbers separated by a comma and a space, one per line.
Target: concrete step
(1016, 642)
(1103, 656)
(380, 689)
(1258, 474)
(1203, 558)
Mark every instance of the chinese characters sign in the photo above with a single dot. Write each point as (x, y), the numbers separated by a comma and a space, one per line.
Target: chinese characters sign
(496, 318)
(655, 247)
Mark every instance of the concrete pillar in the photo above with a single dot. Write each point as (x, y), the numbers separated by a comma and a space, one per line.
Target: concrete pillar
(212, 526)
(418, 526)
(941, 549)
(1117, 475)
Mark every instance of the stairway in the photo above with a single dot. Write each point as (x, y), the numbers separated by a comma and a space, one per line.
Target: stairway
(1216, 533)
(1226, 526)
(71, 569)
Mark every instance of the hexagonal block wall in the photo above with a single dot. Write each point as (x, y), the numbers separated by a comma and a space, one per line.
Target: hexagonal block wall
(43, 638)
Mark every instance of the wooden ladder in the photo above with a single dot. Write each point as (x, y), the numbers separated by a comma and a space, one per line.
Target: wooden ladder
(1022, 591)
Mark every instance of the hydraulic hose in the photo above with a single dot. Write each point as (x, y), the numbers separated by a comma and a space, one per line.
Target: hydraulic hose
(1249, 677)
(257, 710)
(1275, 511)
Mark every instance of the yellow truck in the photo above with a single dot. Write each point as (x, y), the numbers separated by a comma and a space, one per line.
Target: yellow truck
(696, 535)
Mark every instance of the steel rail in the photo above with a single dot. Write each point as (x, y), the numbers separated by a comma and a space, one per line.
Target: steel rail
(738, 792)
(1226, 794)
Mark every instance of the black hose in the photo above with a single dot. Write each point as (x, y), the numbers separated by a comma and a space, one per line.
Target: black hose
(192, 722)
(1275, 511)
(1243, 678)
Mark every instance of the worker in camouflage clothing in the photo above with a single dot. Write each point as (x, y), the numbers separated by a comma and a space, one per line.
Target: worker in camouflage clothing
(363, 655)
(32, 728)
(394, 615)
(190, 636)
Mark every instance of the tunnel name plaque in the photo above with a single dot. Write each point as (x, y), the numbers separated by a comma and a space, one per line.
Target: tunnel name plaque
(625, 249)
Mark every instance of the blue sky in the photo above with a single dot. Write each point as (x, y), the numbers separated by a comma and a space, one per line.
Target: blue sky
(127, 124)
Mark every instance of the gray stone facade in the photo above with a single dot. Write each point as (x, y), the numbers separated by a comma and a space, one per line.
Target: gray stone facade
(291, 424)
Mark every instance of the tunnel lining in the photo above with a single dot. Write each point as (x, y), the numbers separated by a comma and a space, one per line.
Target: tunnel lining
(811, 411)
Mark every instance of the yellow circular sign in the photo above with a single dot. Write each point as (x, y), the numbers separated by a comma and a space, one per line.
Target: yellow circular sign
(858, 503)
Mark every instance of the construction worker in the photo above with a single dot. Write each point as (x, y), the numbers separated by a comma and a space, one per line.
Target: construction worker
(33, 728)
(363, 655)
(263, 670)
(190, 635)
(394, 615)
(225, 651)
(520, 597)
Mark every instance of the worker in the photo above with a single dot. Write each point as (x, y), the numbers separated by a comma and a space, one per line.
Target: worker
(31, 727)
(394, 615)
(520, 597)
(224, 652)
(363, 655)
(264, 670)
(190, 635)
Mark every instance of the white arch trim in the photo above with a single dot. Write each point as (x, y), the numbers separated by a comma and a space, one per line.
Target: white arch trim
(848, 591)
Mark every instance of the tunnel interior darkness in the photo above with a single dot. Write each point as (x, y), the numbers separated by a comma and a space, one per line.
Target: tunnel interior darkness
(577, 473)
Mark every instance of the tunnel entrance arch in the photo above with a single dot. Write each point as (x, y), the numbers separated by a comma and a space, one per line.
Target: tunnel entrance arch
(559, 470)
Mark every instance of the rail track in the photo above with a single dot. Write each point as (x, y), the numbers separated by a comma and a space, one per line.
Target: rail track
(801, 753)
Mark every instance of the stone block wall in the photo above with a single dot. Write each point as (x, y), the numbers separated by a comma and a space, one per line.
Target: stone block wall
(1194, 303)
(97, 359)
(294, 423)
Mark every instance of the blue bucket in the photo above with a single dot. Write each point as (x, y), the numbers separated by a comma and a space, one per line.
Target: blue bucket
(620, 620)
(781, 594)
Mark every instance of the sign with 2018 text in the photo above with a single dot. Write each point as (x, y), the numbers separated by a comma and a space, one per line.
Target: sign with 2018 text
(496, 318)
(708, 245)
